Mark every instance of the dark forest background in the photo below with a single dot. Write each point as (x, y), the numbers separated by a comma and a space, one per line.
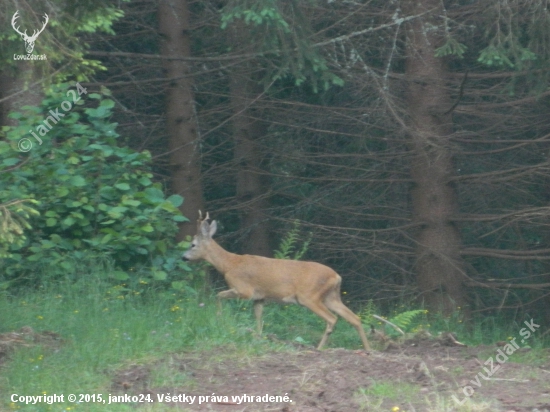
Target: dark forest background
(409, 139)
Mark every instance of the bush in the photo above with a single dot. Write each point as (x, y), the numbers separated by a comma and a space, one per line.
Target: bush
(94, 198)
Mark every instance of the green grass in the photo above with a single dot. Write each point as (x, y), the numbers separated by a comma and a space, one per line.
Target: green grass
(103, 328)
(385, 396)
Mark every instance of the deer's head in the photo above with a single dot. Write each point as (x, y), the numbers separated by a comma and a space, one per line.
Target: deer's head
(199, 245)
(29, 40)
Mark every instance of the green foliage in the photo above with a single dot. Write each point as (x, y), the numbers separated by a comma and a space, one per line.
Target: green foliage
(451, 47)
(285, 39)
(67, 22)
(257, 13)
(14, 216)
(367, 312)
(502, 57)
(94, 199)
(405, 319)
(288, 249)
(511, 43)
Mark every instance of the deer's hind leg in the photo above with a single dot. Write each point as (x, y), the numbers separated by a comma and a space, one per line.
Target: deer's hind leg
(317, 307)
(334, 303)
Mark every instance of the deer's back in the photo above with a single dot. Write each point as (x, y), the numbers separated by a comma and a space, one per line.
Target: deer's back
(279, 279)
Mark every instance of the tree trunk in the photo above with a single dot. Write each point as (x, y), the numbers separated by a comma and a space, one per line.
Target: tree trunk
(180, 111)
(251, 185)
(16, 86)
(439, 267)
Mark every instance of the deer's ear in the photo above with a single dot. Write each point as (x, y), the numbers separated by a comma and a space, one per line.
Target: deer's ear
(213, 228)
(205, 228)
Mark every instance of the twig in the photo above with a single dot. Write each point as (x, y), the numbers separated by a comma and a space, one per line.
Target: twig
(397, 328)
(460, 93)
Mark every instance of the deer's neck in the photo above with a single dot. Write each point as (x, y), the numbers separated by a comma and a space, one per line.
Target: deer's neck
(221, 259)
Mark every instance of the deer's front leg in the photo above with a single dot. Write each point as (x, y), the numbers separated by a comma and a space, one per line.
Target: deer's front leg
(258, 309)
(226, 294)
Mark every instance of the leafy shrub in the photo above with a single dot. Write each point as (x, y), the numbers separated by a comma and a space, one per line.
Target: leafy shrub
(94, 198)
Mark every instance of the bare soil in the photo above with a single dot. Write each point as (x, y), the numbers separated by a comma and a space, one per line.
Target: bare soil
(417, 375)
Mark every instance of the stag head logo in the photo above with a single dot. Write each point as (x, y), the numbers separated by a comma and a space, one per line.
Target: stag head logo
(29, 40)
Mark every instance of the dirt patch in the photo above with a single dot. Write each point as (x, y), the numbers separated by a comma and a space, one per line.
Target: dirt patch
(420, 375)
(27, 336)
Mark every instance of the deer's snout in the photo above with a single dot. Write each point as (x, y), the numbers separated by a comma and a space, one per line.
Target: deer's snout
(188, 256)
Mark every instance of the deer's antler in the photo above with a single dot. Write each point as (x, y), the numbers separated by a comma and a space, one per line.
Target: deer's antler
(200, 220)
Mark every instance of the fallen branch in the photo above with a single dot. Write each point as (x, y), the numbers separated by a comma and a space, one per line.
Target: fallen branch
(397, 328)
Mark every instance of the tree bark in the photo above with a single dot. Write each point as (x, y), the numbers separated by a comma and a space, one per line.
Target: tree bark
(184, 143)
(251, 185)
(439, 267)
(16, 86)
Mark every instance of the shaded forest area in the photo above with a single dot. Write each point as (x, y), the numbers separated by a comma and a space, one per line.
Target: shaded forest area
(409, 138)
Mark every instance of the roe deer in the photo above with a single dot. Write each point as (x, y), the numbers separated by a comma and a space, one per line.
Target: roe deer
(260, 279)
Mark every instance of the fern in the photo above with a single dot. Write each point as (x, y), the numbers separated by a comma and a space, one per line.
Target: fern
(288, 247)
(367, 312)
(403, 320)
(299, 253)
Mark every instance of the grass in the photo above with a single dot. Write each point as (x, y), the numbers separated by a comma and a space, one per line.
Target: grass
(438, 403)
(380, 395)
(103, 327)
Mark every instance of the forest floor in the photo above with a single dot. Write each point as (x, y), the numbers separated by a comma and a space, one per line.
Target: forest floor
(417, 375)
